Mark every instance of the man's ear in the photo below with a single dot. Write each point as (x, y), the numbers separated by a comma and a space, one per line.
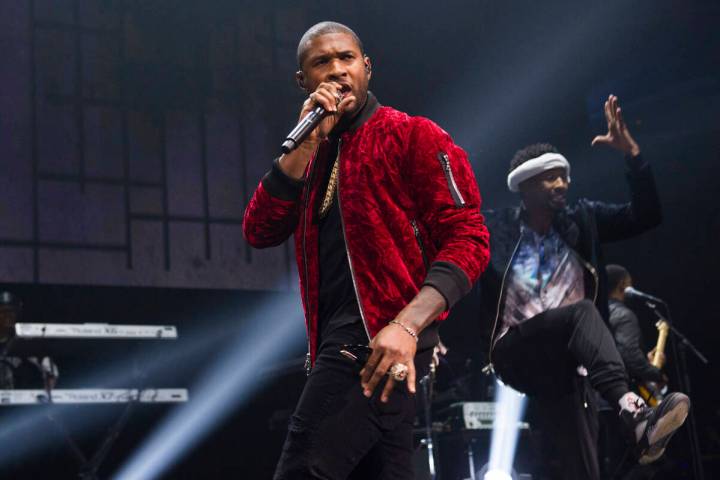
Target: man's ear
(300, 79)
(368, 66)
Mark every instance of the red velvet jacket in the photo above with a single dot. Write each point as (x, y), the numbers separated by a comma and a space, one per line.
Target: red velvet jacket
(410, 208)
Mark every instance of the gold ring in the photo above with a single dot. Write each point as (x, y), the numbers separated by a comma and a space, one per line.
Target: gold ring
(398, 371)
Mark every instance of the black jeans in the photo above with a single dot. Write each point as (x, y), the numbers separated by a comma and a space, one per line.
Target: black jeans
(540, 358)
(338, 433)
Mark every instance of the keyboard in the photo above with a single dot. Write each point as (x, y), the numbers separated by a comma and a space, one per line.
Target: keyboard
(94, 330)
(93, 395)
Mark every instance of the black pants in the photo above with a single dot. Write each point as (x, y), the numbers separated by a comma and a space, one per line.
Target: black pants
(540, 358)
(338, 433)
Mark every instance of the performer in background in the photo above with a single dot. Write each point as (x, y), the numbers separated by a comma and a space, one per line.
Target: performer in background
(20, 372)
(546, 293)
(388, 233)
(625, 328)
(626, 331)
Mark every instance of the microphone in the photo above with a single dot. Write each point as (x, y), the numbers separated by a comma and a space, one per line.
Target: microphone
(631, 292)
(301, 131)
(308, 123)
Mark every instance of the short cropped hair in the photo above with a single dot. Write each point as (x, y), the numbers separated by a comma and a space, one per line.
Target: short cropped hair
(324, 28)
(530, 152)
(616, 274)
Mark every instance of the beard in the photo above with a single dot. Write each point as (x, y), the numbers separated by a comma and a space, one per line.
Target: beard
(557, 202)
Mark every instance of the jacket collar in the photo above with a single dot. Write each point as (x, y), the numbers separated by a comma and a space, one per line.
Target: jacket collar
(363, 115)
(563, 224)
(567, 228)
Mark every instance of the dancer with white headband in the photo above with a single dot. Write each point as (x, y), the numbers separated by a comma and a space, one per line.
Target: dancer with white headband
(545, 296)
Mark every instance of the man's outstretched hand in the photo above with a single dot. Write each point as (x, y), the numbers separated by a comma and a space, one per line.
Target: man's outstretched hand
(618, 136)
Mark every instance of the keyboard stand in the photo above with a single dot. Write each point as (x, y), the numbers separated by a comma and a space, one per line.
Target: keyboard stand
(90, 466)
(42, 336)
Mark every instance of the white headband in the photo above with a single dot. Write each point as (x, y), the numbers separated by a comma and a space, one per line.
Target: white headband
(534, 166)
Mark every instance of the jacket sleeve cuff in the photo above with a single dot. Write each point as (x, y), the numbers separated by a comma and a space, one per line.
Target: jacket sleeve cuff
(448, 279)
(635, 163)
(280, 185)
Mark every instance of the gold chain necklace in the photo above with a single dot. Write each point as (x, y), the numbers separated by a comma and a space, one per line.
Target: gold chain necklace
(331, 188)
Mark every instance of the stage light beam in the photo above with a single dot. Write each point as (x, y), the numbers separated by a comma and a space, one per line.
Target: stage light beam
(509, 411)
(273, 332)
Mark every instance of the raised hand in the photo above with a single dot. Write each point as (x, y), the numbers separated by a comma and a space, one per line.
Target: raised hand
(618, 135)
(329, 96)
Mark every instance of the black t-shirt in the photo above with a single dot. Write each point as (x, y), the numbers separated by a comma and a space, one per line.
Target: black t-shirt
(339, 320)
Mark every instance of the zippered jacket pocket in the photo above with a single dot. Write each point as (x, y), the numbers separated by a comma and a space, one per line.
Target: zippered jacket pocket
(421, 245)
(450, 178)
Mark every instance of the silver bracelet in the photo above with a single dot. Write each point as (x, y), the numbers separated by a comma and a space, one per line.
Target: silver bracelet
(408, 330)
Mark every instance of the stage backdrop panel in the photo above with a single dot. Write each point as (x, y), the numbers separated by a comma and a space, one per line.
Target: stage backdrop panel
(131, 137)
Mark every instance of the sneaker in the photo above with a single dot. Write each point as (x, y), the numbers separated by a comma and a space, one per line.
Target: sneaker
(653, 427)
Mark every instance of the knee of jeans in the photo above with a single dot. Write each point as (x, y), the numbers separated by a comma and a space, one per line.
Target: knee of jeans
(586, 304)
(585, 309)
(296, 453)
(298, 425)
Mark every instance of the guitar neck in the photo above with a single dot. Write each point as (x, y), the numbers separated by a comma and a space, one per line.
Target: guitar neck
(660, 346)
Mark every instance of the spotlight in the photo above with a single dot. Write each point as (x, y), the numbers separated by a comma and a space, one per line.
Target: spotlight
(486, 474)
(496, 475)
(509, 410)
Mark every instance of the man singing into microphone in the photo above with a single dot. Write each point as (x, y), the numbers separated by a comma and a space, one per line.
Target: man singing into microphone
(545, 293)
(388, 234)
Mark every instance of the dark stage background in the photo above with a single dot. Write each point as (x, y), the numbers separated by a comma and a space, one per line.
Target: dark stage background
(132, 133)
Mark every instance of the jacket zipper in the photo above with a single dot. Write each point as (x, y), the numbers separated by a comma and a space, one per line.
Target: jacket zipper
(450, 178)
(419, 240)
(489, 366)
(347, 250)
(308, 355)
(595, 294)
(592, 271)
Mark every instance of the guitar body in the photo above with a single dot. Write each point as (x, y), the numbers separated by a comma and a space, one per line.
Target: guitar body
(651, 393)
